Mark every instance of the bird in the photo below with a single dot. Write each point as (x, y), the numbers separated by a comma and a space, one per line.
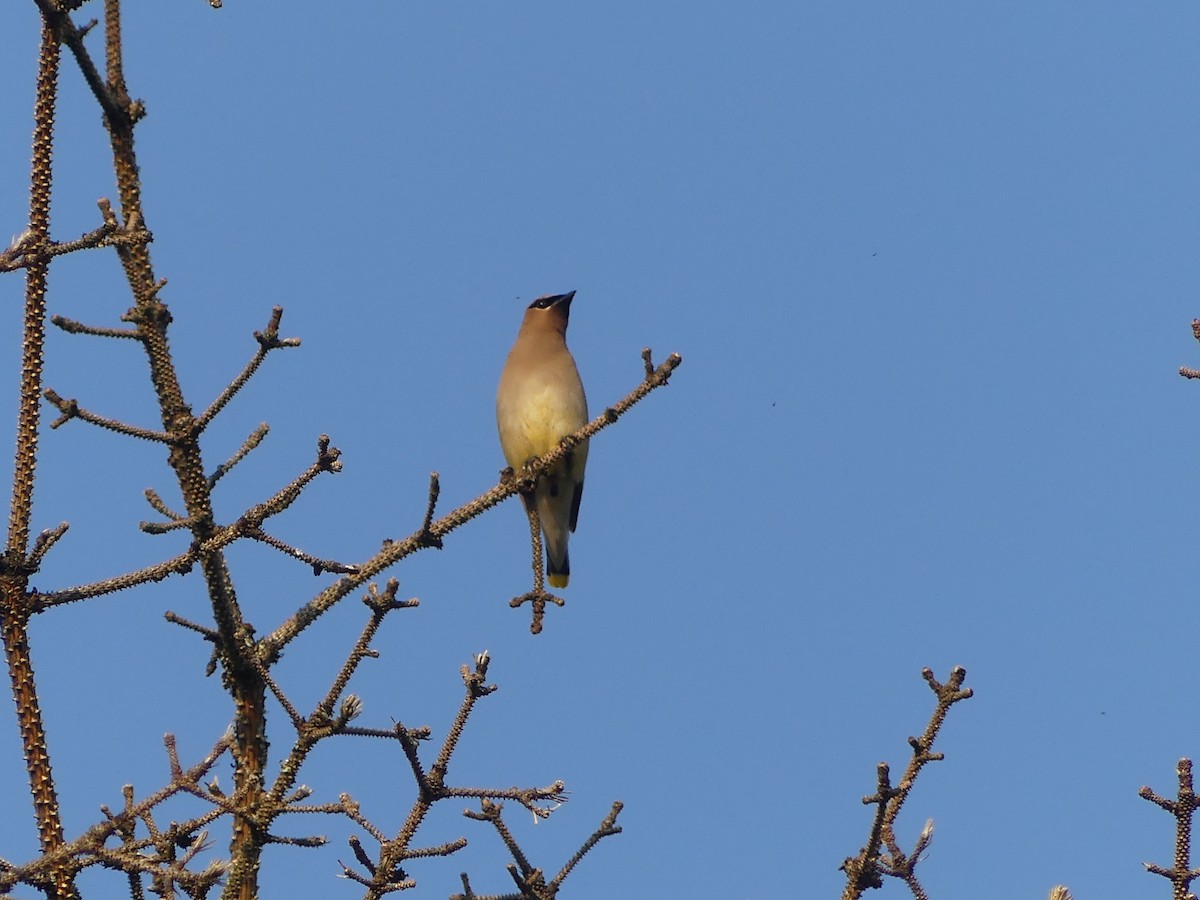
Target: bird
(539, 401)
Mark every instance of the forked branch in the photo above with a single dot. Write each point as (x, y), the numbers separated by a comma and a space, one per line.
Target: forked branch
(386, 873)
(882, 855)
(1183, 808)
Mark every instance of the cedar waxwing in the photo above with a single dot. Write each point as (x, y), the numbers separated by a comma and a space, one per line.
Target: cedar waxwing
(539, 402)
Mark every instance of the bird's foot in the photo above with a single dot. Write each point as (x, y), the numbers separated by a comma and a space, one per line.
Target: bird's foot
(538, 597)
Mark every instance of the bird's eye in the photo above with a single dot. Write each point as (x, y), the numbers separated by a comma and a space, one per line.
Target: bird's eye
(542, 303)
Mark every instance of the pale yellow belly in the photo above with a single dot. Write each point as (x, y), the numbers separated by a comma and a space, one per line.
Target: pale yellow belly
(535, 423)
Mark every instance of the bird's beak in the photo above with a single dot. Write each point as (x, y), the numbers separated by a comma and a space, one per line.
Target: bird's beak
(564, 300)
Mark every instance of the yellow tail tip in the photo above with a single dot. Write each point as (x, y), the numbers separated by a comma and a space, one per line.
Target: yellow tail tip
(558, 580)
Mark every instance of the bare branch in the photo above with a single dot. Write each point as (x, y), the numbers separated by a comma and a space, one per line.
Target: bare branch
(69, 410)
(863, 872)
(72, 327)
(177, 565)
(318, 565)
(607, 828)
(256, 437)
(73, 38)
(1183, 808)
(435, 489)
(268, 340)
(59, 876)
(44, 542)
(89, 849)
(327, 461)
(22, 253)
(157, 504)
(395, 551)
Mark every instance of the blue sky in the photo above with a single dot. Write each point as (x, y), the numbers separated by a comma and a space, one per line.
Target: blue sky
(931, 268)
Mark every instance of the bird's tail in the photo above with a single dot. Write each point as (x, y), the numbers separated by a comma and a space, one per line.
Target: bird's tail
(558, 571)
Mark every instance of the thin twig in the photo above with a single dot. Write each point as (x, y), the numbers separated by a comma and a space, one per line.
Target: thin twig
(69, 410)
(318, 565)
(268, 340)
(176, 565)
(72, 327)
(255, 438)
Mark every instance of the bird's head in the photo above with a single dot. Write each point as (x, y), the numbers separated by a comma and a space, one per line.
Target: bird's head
(551, 311)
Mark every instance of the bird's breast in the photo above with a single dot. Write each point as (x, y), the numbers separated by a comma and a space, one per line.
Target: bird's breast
(535, 415)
